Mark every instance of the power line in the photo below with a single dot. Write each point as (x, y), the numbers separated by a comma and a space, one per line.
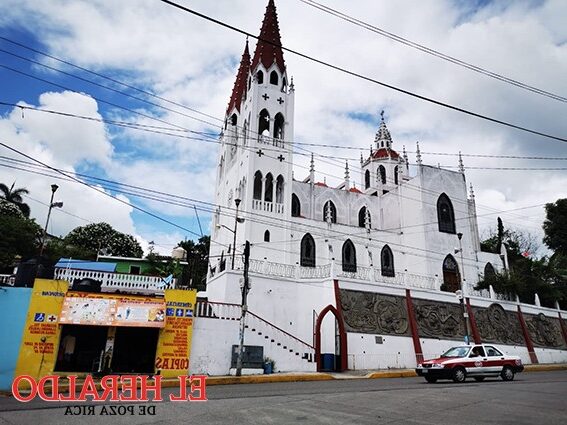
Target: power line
(151, 129)
(275, 221)
(102, 191)
(364, 77)
(430, 51)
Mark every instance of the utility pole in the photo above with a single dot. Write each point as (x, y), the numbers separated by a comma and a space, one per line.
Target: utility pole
(461, 294)
(52, 204)
(245, 289)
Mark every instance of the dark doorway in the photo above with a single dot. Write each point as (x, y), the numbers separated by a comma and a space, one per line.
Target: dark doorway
(80, 348)
(451, 275)
(134, 350)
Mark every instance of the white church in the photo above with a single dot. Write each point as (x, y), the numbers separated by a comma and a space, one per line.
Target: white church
(368, 271)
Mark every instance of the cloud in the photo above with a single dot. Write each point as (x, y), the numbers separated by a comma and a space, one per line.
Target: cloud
(193, 62)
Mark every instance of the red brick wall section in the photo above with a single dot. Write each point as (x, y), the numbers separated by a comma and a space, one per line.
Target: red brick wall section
(529, 345)
(472, 321)
(413, 327)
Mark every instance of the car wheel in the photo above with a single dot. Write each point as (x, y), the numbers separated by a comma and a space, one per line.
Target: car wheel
(459, 375)
(430, 379)
(479, 378)
(507, 373)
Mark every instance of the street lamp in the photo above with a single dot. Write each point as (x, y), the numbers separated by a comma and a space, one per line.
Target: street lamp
(236, 221)
(52, 204)
(460, 294)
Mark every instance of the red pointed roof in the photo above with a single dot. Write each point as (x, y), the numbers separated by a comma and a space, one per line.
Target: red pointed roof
(385, 153)
(321, 184)
(269, 45)
(241, 81)
(354, 190)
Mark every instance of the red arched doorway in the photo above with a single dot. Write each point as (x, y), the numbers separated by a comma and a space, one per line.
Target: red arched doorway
(341, 340)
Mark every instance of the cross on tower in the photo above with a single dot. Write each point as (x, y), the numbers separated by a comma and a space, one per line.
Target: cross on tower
(281, 157)
(280, 100)
(260, 153)
(265, 96)
(382, 114)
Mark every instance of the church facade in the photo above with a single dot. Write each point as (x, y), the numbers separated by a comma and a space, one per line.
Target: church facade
(384, 252)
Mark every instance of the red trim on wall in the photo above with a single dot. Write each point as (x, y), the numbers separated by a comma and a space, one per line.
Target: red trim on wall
(472, 321)
(563, 327)
(413, 327)
(343, 335)
(529, 345)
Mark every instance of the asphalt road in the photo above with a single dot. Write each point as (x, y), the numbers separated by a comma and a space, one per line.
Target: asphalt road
(533, 398)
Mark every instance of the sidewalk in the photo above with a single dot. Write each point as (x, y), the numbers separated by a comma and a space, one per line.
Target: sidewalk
(321, 376)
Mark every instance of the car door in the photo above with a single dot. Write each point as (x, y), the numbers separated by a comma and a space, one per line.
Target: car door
(495, 359)
(476, 361)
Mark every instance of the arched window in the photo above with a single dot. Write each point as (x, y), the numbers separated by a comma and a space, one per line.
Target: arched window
(489, 271)
(269, 189)
(451, 275)
(249, 83)
(387, 262)
(362, 217)
(233, 119)
(329, 206)
(284, 84)
(267, 236)
(274, 78)
(382, 172)
(445, 214)
(257, 185)
(279, 123)
(264, 123)
(279, 189)
(367, 179)
(295, 206)
(245, 132)
(260, 77)
(396, 174)
(307, 258)
(349, 257)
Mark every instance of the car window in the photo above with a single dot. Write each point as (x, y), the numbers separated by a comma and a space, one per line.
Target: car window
(493, 352)
(456, 352)
(477, 352)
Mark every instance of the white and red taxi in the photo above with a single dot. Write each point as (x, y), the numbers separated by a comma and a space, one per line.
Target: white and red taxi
(477, 361)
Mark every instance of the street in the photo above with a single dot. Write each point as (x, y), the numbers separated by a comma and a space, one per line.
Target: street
(532, 398)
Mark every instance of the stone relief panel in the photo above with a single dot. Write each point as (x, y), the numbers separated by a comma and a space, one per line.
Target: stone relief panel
(544, 331)
(439, 320)
(367, 312)
(498, 325)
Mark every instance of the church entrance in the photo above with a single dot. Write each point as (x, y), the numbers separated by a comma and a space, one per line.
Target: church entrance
(330, 342)
(451, 275)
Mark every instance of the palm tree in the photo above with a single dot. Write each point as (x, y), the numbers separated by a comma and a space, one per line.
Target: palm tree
(14, 196)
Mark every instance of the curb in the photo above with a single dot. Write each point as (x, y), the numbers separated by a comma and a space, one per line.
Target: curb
(544, 367)
(407, 373)
(264, 379)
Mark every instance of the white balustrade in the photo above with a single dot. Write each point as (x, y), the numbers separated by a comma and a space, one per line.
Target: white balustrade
(117, 281)
(258, 204)
(7, 279)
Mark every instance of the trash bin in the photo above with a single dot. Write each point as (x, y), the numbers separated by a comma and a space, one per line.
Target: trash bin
(268, 369)
(328, 362)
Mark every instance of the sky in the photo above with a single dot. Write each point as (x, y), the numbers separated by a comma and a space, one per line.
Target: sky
(191, 65)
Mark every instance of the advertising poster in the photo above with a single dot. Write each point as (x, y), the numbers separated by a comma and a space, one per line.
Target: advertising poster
(112, 310)
(172, 357)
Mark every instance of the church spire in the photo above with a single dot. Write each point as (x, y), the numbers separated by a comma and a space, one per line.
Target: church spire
(418, 154)
(383, 138)
(461, 165)
(240, 83)
(269, 47)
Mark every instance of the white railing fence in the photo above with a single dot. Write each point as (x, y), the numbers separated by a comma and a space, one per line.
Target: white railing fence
(112, 282)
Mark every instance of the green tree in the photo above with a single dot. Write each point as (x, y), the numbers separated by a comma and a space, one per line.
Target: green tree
(14, 196)
(198, 259)
(555, 226)
(19, 236)
(101, 237)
